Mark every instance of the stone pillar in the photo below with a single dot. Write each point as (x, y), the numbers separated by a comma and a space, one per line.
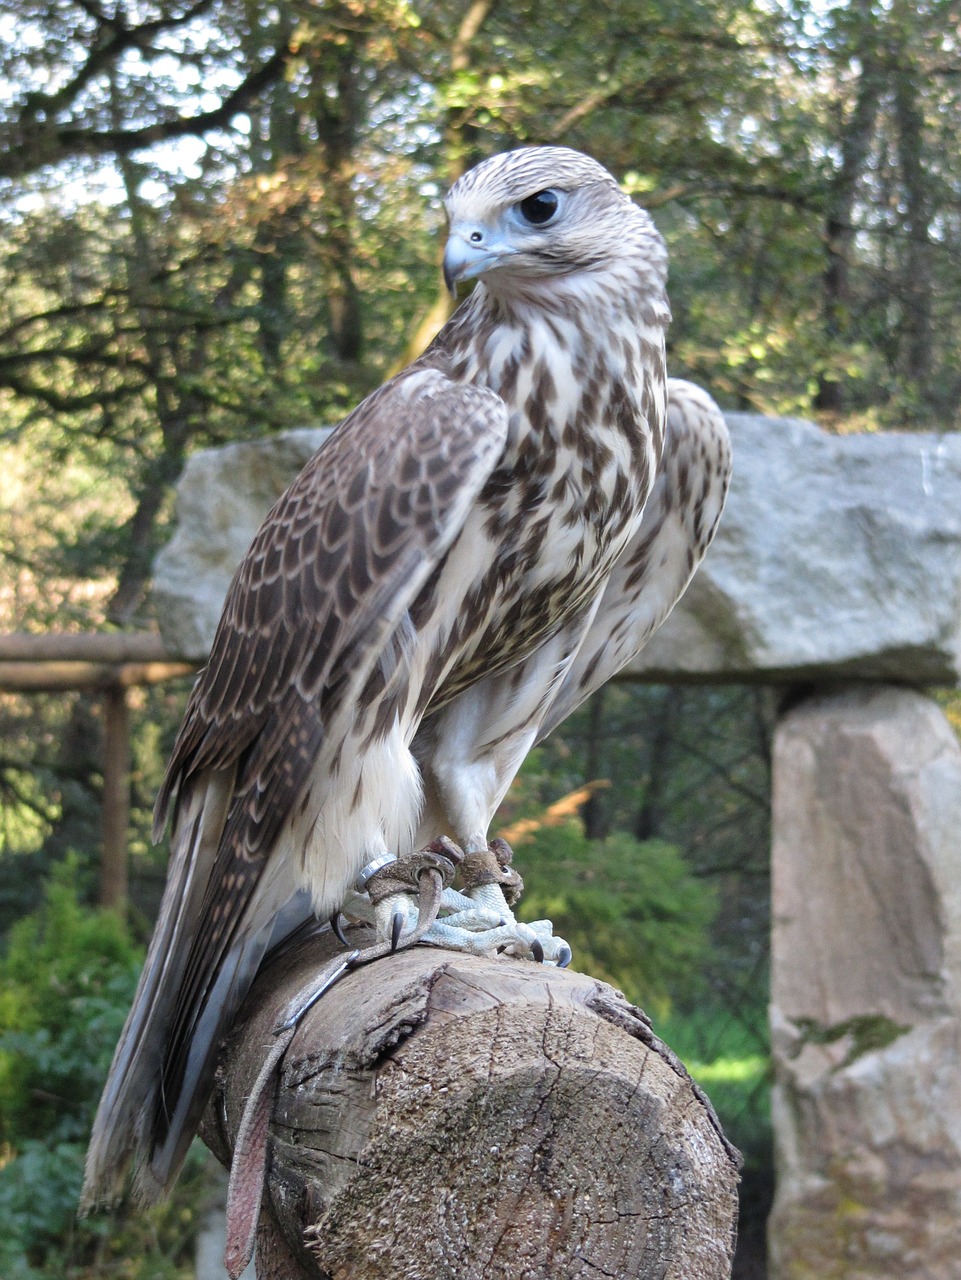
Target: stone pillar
(866, 989)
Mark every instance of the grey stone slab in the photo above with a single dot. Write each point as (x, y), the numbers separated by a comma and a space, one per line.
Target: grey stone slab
(837, 556)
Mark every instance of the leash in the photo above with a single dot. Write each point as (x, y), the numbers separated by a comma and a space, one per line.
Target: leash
(426, 873)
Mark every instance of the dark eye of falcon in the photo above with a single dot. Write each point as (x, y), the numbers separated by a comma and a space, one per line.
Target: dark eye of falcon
(539, 208)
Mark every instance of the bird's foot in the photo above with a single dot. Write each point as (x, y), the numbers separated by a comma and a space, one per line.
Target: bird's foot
(492, 888)
(477, 919)
(535, 941)
(389, 895)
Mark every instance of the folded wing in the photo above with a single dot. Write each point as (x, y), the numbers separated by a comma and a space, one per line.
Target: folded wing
(325, 583)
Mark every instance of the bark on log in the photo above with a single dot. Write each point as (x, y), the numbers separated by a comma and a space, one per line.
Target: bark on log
(444, 1117)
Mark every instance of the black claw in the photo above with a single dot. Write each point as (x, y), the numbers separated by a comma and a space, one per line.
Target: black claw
(537, 951)
(564, 957)
(397, 922)
(337, 929)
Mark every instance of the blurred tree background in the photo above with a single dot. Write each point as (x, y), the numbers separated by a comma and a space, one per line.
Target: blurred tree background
(221, 218)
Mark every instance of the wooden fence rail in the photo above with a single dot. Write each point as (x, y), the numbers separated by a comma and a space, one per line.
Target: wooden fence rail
(109, 663)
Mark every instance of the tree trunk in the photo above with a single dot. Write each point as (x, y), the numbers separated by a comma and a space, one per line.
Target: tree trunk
(662, 729)
(446, 1117)
(592, 810)
(916, 284)
(339, 107)
(854, 142)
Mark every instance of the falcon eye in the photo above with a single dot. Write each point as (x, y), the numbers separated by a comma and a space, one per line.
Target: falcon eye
(539, 208)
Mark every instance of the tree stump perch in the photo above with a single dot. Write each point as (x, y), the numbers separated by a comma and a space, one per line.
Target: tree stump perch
(444, 1117)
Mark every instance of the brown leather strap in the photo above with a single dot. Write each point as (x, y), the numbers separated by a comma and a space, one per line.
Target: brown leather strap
(248, 1166)
(492, 866)
(404, 874)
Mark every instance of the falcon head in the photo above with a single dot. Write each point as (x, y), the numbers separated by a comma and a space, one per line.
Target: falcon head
(536, 212)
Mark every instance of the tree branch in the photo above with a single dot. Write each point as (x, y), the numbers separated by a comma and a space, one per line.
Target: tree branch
(32, 144)
(102, 54)
(60, 403)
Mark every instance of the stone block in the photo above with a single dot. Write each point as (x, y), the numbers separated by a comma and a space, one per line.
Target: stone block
(866, 989)
(836, 556)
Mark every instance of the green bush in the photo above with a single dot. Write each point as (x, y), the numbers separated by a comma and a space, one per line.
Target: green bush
(632, 911)
(723, 1054)
(67, 977)
(66, 980)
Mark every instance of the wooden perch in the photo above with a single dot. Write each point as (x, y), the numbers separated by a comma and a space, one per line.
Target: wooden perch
(54, 677)
(53, 661)
(445, 1117)
(85, 646)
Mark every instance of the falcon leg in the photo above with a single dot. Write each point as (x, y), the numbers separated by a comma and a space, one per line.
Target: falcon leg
(388, 890)
(387, 894)
(478, 920)
(493, 887)
(469, 753)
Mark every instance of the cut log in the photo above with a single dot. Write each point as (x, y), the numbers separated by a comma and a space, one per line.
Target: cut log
(444, 1117)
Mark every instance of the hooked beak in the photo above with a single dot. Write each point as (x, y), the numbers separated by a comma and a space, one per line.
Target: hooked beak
(464, 259)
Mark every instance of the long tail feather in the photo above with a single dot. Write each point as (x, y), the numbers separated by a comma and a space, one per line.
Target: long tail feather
(122, 1129)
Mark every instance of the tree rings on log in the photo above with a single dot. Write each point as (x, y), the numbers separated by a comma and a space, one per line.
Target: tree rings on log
(444, 1117)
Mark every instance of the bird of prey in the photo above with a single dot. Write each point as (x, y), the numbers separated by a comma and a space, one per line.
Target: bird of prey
(479, 545)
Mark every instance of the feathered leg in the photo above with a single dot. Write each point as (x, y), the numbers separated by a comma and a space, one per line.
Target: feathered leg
(470, 753)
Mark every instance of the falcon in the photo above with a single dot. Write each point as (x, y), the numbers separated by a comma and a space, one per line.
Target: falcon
(478, 546)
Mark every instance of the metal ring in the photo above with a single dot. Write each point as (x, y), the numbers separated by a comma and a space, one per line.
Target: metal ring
(376, 864)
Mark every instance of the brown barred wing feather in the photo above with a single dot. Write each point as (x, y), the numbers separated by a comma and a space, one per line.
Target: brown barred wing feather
(338, 559)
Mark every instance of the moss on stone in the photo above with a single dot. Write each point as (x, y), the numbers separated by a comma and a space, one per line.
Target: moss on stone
(867, 1032)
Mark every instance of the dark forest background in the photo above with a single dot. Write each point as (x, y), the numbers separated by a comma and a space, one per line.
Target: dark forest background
(222, 218)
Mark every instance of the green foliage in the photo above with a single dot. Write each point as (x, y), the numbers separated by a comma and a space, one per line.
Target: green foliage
(721, 1052)
(65, 980)
(631, 910)
(40, 1238)
(720, 1049)
(67, 977)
